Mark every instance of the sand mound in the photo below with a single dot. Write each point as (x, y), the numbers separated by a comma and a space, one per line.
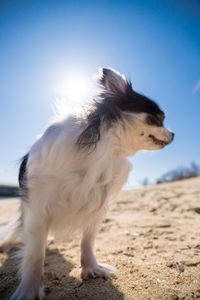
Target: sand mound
(152, 237)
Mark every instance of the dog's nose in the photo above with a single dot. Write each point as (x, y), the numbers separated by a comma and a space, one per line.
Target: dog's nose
(173, 134)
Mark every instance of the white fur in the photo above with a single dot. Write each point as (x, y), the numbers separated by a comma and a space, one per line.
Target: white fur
(68, 191)
(73, 186)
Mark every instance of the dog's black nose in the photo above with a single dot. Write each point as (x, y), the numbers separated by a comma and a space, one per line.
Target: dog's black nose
(173, 134)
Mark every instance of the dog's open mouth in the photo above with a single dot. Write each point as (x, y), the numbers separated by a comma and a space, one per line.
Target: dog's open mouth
(157, 141)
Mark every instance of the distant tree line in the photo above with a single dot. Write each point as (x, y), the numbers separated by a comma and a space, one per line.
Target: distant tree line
(180, 173)
(9, 191)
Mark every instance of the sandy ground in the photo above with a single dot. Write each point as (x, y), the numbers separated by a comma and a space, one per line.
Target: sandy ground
(152, 237)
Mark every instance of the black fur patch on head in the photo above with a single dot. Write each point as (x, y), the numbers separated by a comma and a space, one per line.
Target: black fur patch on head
(155, 120)
(109, 107)
(134, 102)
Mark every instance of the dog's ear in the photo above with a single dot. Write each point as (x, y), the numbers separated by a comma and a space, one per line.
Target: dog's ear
(112, 81)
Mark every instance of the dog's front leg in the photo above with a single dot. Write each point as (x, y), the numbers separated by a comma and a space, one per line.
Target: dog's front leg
(33, 252)
(90, 267)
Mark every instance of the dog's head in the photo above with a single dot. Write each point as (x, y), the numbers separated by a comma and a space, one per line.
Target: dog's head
(136, 121)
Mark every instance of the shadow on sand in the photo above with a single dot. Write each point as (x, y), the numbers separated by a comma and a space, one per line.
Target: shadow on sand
(60, 285)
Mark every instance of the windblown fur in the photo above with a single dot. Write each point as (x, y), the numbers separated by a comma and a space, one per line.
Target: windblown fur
(75, 168)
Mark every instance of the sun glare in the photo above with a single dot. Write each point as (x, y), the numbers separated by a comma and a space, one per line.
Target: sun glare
(73, 91)
(76, 87)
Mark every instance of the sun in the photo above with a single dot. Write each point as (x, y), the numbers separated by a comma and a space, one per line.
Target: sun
(72, 91)
(76, 87)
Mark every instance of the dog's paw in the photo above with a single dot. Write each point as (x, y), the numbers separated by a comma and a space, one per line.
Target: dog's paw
(97, 271)
(28, 293)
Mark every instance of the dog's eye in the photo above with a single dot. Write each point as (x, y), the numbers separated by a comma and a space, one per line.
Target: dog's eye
(159, 122)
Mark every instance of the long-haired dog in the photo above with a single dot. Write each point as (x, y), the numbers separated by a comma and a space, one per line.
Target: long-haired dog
(72, 171)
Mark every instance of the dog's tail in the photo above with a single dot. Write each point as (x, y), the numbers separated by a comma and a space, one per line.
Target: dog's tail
(11, 231)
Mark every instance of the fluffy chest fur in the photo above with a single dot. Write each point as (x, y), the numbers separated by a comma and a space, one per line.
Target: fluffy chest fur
(75, 186)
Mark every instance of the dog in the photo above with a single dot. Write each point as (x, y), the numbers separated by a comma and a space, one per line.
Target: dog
(74, 169)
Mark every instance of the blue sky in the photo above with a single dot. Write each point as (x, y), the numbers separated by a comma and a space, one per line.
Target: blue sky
(155, 43)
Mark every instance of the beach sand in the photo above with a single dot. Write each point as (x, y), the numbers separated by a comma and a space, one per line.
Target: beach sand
(152, 237)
